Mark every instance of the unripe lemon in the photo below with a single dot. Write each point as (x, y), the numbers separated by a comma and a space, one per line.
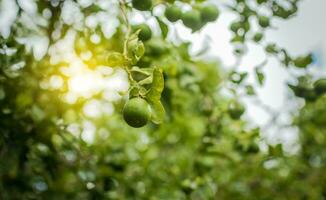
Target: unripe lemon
(258, 37)
(263, 21)
(142, 5)
(173, 13)
(236, 110)
(192, 19)
(235, 26)
(136, 112)
(320, 86)
(145, 33)
(209, 13)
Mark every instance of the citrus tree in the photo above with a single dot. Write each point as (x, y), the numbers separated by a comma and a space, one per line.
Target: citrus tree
(95, 105)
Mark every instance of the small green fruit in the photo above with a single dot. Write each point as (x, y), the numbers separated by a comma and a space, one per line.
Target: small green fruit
(142, 5)
(263, 21)
(173, 13)
(136, 112)
(145, 32)
(258, 37)
(235, 26)
(320, 86)
(236, 110)
(209, 13)
(192, 20)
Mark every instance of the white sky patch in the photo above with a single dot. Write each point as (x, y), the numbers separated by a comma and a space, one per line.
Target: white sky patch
(72, 15)
(92, 109)
(91, 21)
(70, 98)
(86, 55)
(37, 44)
(8, 14)
(109, 22)
(88, 133)
(96, 108)
(95, 38)
(85, 3)
(85, 85)
(46, 13)
(105, 70)
(117, 82)
(63, 50)
(29, 6)
(112, 96)
(108, 108)
(56, 82)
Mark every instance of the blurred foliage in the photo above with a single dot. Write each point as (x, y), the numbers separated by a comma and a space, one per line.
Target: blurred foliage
(196, 146)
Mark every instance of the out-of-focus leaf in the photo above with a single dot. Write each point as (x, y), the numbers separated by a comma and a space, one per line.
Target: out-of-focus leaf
(157, 86)
(158, 112)
(164, 28)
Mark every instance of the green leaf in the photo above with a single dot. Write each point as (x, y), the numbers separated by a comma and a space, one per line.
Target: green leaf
(145, 71)
(260, 76)
(164, 28)
(157, 86)
(115, 59)
(158, 112)
(237, 77)
(154, 96)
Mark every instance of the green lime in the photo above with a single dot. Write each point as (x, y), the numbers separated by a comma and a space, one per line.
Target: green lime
(236, 110)
(263, 21)
(320, 86)
(192, 20)
(142, 5)
(258, 37)
(145, 31)
(235, 26)
(136, 112)
(209, 13)
(173, 13)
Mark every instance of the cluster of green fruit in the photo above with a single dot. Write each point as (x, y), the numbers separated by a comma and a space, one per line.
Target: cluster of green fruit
(194, 19)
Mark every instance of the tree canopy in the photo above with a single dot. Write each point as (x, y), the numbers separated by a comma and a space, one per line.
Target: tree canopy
(94, 105)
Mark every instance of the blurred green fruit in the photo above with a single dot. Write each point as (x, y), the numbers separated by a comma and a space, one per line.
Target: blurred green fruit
(235, 26)
(145, 31)
(192, 20)
(263, 21)
(209, 13)
(173, 13)
(136, 112)
(320, 86)
(258, 37)
(142, 5)
(236, 110)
